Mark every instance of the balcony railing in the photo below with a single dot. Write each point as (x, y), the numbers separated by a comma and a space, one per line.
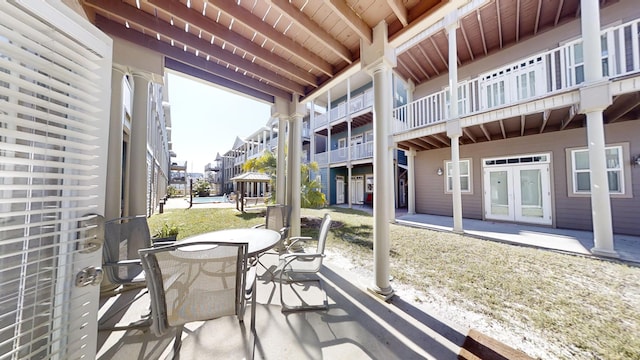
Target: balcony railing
(547, 73)
(357, 103)
(358, 152)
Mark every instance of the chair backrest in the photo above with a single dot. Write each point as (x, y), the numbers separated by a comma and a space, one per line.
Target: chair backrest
(277, 219)
(123, 238)
(194, 282)
(324, 231)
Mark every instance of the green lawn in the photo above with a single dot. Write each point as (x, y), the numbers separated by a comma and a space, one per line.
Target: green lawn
(584, 307)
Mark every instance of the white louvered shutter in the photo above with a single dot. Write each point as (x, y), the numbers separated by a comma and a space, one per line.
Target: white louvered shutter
(55, 70)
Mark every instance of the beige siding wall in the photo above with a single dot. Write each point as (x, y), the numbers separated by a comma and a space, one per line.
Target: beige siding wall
(621, 12)
(568, 212)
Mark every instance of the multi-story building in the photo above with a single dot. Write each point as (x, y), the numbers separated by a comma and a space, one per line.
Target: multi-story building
(523, 120)
(343, 142)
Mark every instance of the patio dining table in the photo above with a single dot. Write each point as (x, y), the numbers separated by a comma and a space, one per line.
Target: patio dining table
(258, 240)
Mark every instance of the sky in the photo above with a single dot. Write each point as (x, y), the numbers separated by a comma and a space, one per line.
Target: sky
(205, 120)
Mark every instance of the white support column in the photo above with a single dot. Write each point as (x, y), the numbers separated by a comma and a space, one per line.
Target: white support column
(295, 151)
(595, 97)
(138, 145)
(278, 111)
(329, 179)
(454, 131)
(378, 59)
(114, 161)
(411, 180)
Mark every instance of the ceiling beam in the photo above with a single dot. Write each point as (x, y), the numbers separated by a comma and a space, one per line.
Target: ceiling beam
(466, 40)
(558, 12)
(400, 62)
(622, 108)
(117, 29)
(469, 134)
(153, 24)
(426, 57)
(504, 133)
(425, 143)
(246, 18)
(419, 144)
(312, 28)
(537, 24)
(517, 20)
(499, 22)
(573, 110)
(353, 21)
(400, 11)
(545, 119)
(207, 76)
(484, 40)
(208, 25)
(413, 58)
(485, 132)
(522, 123)
(445, 62)
(442, 139)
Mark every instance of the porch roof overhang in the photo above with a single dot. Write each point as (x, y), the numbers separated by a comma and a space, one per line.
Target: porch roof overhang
(251, 177)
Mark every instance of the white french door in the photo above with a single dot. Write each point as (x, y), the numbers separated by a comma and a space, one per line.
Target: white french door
(518, 193)
(356, 189)
(339, 190)
(55, 81)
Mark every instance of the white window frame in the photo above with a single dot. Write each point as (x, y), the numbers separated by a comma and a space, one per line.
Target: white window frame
(624, 173)
(448, 171)
(368, 183)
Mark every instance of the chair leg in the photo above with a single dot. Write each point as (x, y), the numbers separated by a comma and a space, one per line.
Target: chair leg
(140, 324)
(287, 308)
(177, 342)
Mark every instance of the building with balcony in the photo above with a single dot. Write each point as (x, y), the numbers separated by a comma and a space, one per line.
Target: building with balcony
(343, 142)
(522, 118)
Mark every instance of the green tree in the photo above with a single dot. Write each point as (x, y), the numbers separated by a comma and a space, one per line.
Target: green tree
(311, 195)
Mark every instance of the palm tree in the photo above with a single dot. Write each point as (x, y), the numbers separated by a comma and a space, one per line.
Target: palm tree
(311, 195)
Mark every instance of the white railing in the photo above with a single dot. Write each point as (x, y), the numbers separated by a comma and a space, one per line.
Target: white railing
(321, 158)
(357, 103)
(539, 75)
(362, 151)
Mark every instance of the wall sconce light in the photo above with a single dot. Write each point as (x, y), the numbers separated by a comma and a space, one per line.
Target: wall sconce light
(636, 161)
(439, 171)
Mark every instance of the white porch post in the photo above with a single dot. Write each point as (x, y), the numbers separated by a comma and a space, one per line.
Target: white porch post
(278, 111)
(595, 97)
(454, 131)
(329, 179)
(138, 144)
(295, 152)
(114, 161)
(349, 147)
(378, 59)
(411, 182)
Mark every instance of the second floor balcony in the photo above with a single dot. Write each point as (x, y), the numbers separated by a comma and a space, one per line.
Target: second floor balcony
(355, 104)
(358, 152)
(537, 76)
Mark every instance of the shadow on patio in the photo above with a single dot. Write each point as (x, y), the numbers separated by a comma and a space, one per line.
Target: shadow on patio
(357, 325)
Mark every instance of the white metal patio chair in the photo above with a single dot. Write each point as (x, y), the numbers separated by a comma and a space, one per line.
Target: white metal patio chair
(277, 219)
(196, 282)
(296, 265)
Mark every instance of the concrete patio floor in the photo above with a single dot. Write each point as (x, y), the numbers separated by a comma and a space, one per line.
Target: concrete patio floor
(357, 325)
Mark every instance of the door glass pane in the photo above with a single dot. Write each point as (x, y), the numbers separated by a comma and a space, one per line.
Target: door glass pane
(499, 193)
(531, 193)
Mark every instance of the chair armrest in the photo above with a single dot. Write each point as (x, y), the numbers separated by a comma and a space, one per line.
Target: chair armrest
(123, 263)
(295, 239)
(287, 258)
(250, 281)
(257, 226)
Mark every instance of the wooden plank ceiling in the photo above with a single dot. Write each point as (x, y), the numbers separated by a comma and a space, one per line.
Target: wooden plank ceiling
(264, 48)
(277, 48)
